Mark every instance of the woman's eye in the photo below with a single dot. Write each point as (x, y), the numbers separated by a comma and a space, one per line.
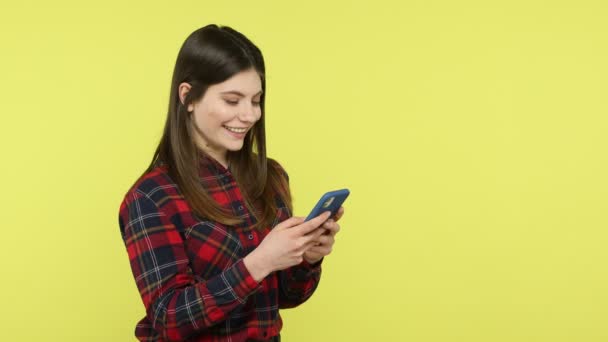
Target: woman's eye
(234, 103)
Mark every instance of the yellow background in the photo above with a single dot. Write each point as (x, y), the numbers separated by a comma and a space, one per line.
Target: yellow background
(472, 135)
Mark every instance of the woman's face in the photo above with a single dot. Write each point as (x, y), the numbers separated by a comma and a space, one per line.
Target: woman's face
(225, 113)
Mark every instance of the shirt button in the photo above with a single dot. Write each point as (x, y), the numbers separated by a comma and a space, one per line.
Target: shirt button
(250, 237)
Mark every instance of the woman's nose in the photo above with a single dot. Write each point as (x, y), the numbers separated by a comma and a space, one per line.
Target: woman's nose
(248, 114)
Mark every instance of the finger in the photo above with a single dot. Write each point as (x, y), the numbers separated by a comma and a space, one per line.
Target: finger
(339, 214)
(290, 222)
(331, 226)
(326, 231)
(316, 250)
(313, 236)
(320, 250)
(306, 246)
(325, 240)
(309, 245)
(312, 224)
(334, 229)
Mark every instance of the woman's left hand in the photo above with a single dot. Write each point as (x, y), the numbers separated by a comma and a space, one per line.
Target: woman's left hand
(325, 242)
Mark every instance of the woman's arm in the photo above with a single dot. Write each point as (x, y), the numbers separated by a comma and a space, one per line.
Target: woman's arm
(176, 305)
(298, 283)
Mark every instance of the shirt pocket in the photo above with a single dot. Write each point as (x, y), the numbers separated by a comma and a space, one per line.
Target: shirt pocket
(211, 248)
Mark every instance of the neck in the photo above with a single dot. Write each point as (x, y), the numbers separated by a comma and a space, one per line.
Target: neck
(219, 157)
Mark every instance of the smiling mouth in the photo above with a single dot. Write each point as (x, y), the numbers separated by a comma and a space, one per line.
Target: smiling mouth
(236, 129)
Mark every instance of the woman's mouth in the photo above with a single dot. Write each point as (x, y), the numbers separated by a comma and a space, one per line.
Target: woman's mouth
(236, 129)
(237, 132)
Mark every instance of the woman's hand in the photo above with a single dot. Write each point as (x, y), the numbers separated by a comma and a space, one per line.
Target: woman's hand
(284, 246)
(324, 244)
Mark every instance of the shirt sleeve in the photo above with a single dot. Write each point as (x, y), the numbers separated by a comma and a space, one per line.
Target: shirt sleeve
(176, 304)
(298, 283)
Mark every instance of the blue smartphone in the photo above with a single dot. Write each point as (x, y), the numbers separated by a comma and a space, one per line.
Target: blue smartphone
(331, 201)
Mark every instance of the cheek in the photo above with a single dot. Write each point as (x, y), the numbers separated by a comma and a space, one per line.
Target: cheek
(202, 120)
(211, 118)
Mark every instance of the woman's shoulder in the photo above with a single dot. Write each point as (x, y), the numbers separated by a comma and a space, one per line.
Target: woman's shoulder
(156, 185)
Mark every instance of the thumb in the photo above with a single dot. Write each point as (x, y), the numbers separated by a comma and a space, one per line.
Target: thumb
(313, 223)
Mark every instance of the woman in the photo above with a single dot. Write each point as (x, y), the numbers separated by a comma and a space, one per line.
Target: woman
(212, 245)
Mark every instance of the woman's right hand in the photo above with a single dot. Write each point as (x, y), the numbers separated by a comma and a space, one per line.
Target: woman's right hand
(284, 246)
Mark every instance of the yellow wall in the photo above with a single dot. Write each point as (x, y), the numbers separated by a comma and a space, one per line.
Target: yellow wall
(472, 135)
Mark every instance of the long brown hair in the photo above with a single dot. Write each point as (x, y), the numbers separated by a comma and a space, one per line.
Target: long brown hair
(211, 55)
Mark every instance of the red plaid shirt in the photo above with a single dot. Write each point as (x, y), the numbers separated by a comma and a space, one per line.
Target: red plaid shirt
(190, 272)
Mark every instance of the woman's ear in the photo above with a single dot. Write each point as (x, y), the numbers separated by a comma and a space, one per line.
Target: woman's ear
(183, 89)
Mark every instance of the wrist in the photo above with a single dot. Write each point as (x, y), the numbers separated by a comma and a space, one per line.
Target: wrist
(256, 266)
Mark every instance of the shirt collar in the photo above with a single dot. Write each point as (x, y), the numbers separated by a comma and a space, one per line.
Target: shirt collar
(208, 165)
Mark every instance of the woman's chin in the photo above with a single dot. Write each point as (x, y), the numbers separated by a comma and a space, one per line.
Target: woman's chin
(234, 146)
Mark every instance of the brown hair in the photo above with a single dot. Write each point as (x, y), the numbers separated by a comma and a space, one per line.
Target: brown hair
(211, 55)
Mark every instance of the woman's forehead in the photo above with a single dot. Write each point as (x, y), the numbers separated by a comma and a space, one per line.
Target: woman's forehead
(244, 83)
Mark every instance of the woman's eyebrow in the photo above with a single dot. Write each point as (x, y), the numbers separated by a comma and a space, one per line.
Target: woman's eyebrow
(238, 92)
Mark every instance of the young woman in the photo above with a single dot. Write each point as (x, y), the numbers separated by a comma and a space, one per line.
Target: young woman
(208, 227)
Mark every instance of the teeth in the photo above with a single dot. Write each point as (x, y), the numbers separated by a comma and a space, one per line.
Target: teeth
(236, 130)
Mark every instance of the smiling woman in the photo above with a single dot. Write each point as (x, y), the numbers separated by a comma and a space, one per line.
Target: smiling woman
(212, 244)
(221, 118)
